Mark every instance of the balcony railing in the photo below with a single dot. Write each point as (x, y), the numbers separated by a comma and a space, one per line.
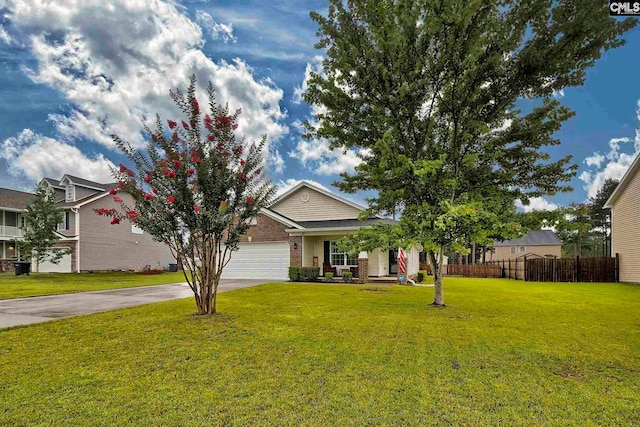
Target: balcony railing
(10, 231)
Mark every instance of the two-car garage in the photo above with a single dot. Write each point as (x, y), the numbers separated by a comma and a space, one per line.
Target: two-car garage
(264, 260)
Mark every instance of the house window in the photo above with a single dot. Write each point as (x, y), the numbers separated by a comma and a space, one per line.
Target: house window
(341, 258)
(136, 230)
(522, 249)
(70, 193)
(64, 225)
(513, 249)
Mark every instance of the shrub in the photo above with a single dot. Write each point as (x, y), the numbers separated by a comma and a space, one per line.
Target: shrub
(328, 277)
(309, 274)
(294, 274)
(347, 276)
(421, 275)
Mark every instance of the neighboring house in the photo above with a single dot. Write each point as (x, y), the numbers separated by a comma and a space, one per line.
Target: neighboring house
(625, 223)
(93, 243)
(536, 243)
(12, 204)
(301, 228)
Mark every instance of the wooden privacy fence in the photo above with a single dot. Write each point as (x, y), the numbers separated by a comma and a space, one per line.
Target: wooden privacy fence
(473, 270)
(578, 269)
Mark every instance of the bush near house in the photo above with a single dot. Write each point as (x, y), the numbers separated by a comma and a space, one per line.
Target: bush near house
(328, 277)
(421, 275)
(294, 273)
(347, 276)
(303, 274)
(309, 274)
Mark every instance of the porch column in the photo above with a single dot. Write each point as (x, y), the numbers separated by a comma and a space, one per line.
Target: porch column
(295, 251)
(363, 266)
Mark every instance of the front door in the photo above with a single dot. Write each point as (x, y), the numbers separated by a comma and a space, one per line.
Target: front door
(393, 262)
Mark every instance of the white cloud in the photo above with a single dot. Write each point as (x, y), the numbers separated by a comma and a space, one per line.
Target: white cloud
(315, 153)
(116, 72)
(34, 156)
(612, 165)
(317, 156)
(595, 160)
(537, 204)
(284, 186)
(312, 67)
(217, 30)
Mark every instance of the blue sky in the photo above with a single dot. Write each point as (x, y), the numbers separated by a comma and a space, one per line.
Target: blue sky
(72, 72)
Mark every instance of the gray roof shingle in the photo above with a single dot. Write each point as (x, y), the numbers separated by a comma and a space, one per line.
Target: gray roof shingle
(532, 238)
(14, 199)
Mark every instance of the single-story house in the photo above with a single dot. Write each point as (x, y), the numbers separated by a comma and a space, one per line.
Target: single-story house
(625, 223)
(536, 243)
(301, 228)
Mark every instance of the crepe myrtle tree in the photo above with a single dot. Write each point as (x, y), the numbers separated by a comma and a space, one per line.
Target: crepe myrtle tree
(195, 188)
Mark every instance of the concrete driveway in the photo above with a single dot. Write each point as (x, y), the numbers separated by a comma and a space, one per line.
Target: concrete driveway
(24, 311)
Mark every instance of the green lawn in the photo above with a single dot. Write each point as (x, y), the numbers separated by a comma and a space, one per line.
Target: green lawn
(502, 352)
(12, 286)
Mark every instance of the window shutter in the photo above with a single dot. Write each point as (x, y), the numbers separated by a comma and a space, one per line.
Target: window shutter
(327, 256)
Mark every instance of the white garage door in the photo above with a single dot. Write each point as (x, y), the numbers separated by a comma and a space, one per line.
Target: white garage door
(269, 260)
(63, 266)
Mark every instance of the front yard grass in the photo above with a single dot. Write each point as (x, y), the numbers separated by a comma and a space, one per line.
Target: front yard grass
(502, 352)
(12, 286)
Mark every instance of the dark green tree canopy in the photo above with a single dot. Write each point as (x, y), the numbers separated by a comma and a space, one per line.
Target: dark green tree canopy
(426, 90)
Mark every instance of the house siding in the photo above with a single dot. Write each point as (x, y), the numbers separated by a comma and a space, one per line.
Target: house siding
(504, 252)
(319, 207)
(114, 247)
(625, 233)
(82, 192)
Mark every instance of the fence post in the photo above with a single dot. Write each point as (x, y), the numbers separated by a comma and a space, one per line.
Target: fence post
(617, 268)
(524, 272)
(578, 275)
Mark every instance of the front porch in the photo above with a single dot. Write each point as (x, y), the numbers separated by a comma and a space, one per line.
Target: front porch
(320, 250)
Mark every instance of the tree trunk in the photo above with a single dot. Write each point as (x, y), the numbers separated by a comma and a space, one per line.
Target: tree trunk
(436, 267)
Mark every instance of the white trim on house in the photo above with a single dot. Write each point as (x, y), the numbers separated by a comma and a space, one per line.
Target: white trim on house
(628, 176)
(276, 216)
(87, 201)
(76, 211)
(319, 190)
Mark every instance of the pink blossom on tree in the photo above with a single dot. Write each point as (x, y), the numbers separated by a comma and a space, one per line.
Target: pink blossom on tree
(203, 205)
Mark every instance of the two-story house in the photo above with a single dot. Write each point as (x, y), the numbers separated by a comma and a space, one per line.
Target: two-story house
(12, 204)
(94, 244)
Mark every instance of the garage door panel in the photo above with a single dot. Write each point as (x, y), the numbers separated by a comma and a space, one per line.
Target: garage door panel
(63, 266)
(259, 261)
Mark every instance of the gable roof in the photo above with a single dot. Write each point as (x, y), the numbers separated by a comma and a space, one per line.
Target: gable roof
(626, 179)
(532, 238)
(52, 182)
(14, 199)
(319, 190)
(85, 182)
